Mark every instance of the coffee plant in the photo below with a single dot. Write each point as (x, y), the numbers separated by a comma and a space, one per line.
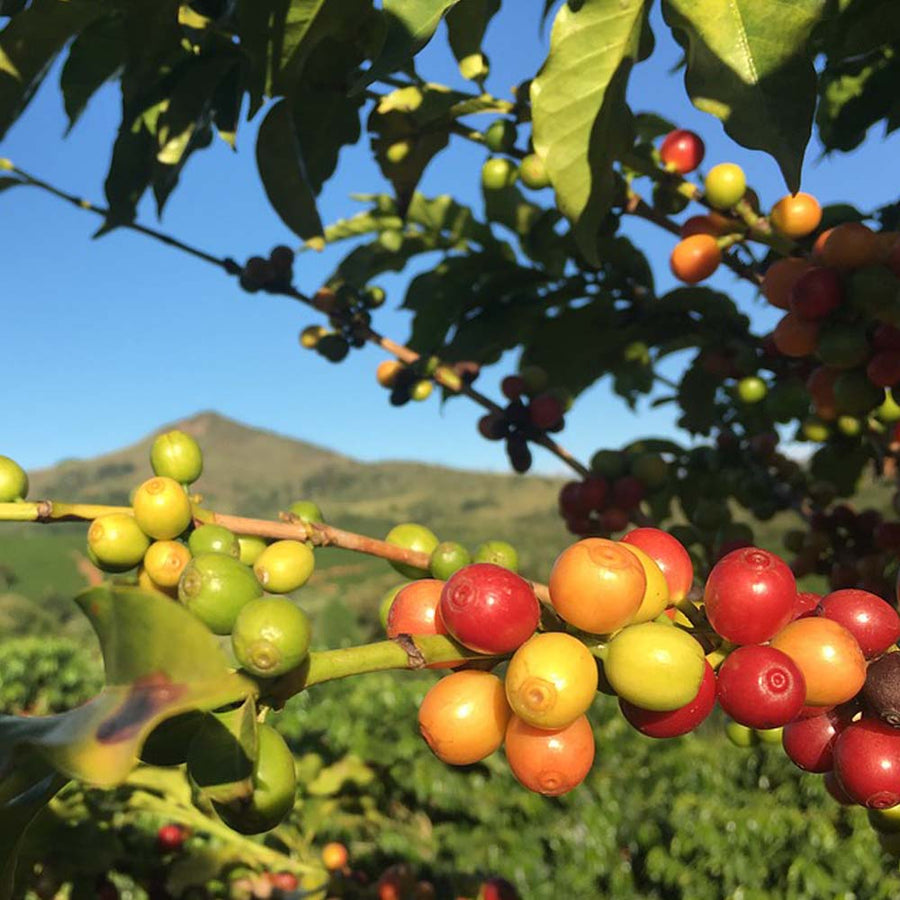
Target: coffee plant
(664, 600)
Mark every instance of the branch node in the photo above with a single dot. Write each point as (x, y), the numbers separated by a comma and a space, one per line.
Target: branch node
(45, 510)
(415, 657)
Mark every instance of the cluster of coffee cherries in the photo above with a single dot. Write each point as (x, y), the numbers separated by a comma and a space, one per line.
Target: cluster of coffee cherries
(415, 381)
(842, 308)
(273, 274)
(610, 497)
(533, 409)
(538, 710)
(852, 549)
(349, 317)
(499, 172)
(233, 584)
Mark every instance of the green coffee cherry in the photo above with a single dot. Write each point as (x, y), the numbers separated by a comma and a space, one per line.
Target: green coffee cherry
(284, 566)
(177, 455)
(412, 537)
(270, 636)
(500, 136)
(215, 588)
(13, 481)
(214, 539)
(274, 788)
(448, 557)
(116, 542)
(306, 511)
(384, 607)
(533, 172)
(250, 546)
(500, 553)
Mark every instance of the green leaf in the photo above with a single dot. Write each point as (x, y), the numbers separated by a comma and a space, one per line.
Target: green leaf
(130, 172)
(581, 120)
(467, 23)
(696, 396)
(29, 44)
(95, 57)
(410, 26)
(748, 64)
(283, 174)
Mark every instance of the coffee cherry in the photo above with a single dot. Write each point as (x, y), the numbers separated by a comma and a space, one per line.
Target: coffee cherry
(284, 566)
(551, 680)
(669, 554)
(654, 666)
(816, 293)
(274, 788)
(497, 173)
(828, 656)
(117, 542)
(489, 609)
(749, 596)
(597, 586)
(13, 481)
(533, 172)
(447, 558)
(627, 492)
(414, 609)
(335, 856)
(497, 889)
(809, 742)
(805, 604)
(881, 691)
(500, 553)
(500, 136)
(874, 623)
(215, 588)
(388, 372)
(676, 722)
(724, 185)
(270, 636)
(867, 763)
(751, 389)
(847, 246)
(283, 881)
(250, 548)
(796, 215)
(550, 762)
(170, 838)
(761, 687)
(162, 509)
(176, 455)
(214, 539)
(796, 337)
(282, 259)
(681, 151)
(164, 562)
(656, 594)
(410, 536)
(740, 735)
(493, 426)
(695, 258)
(463, 717)
(780, 278)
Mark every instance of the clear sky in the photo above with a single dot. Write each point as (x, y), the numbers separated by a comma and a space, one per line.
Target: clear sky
(105, 340)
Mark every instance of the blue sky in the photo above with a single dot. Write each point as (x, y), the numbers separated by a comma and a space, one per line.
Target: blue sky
(105, 340)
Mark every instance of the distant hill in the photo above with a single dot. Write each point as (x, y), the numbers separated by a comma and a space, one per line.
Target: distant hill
(257, 473)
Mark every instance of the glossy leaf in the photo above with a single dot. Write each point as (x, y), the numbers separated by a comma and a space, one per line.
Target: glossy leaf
(749, 64)
(95, 57)
(410, 25)
(283, 174)
(467, 22)
(28, 45)
(581, 120)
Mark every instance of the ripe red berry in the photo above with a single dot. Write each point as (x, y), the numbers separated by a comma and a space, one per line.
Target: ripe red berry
(872, 621)
(809, 742)
(750, 596)
(761, 687)
(867, 763)
(489, 609)
(513, 386)
(594, 493)
(283, 881)
(816, 293)
(545, 411)
(627, 492)
(170, 838)
(886, 337)
(571, 500)
(682, 151)
(669, 554)
(614, 519)
(883, 369)
(677, 721)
